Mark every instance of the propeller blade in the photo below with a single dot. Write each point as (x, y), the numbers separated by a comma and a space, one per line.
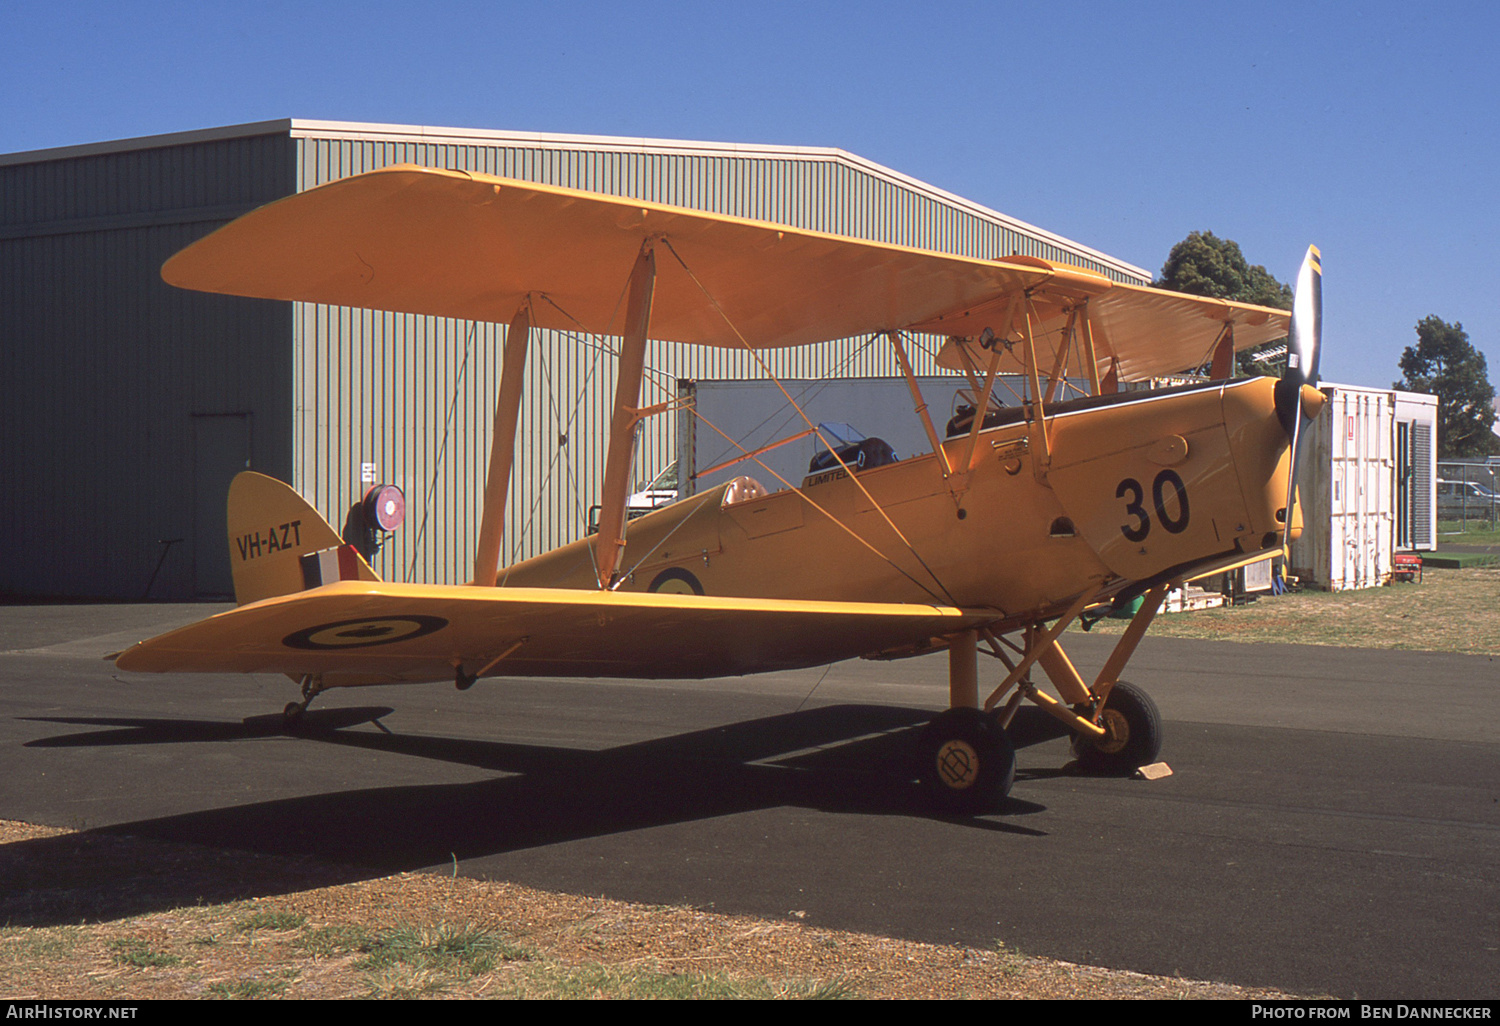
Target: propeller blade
(1303, 342)
(1303, 346)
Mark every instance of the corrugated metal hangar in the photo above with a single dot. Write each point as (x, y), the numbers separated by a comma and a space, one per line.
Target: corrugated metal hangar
(128, 405)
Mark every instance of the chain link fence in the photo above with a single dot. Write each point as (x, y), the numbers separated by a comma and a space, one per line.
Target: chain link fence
(1467, 496)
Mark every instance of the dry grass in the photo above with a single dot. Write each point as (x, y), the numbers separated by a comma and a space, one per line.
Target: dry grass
(422, 935)
(1450, 611)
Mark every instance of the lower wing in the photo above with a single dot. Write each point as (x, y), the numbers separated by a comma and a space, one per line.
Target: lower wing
(358, 632)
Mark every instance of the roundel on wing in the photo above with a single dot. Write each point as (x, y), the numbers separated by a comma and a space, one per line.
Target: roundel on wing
(384, 630)
(676, 581)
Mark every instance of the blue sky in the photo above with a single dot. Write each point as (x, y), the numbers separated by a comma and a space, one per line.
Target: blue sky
(1368, 129)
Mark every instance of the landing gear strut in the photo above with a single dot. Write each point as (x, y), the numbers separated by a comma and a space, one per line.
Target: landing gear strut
(312, 686)
(967, 762)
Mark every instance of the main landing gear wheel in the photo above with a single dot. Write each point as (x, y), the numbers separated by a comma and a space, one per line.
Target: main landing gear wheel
(967, 762)
(1133, 736)
(292, 715)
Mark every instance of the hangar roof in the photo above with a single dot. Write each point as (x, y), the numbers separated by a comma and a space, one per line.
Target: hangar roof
(361, 131)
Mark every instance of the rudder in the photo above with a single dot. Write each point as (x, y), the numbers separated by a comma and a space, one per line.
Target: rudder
(278, 544)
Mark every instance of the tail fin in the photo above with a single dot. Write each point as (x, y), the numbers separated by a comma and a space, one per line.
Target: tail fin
(278, 544)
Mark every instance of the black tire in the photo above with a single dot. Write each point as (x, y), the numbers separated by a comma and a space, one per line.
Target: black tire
(1134, 738)
(967, 763)
(292, 715)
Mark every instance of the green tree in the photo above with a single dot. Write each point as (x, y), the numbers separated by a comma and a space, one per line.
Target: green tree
(1205, 265)
(1445, 364)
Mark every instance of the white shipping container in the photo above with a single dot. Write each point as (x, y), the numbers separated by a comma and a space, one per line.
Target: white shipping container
(1346, 481)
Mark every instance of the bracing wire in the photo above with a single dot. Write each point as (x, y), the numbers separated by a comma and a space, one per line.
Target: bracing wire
(808, 392)
(833, 519)
(808, 697)
(660, 542)
(859, 484)
(561, 453)
(599, 351)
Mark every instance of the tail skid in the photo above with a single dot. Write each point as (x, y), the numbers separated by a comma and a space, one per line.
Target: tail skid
(278, 544)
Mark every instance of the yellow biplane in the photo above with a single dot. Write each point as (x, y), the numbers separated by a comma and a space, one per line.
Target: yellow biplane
(1016, 523)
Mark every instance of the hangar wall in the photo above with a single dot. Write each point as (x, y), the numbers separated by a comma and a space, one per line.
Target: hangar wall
(122, 401)
(128, 404)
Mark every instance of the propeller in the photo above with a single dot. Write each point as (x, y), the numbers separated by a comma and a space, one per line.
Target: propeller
(1297, 397)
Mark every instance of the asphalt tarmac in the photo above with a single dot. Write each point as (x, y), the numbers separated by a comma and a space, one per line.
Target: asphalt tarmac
(1332, 825)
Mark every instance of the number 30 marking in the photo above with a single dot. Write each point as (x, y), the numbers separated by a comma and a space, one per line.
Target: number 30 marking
(1175, 525)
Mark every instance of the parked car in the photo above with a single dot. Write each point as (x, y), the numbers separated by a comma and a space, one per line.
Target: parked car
(660, 492)
(1466, 499)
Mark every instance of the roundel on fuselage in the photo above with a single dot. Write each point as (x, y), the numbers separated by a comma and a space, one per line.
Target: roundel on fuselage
(676, 581)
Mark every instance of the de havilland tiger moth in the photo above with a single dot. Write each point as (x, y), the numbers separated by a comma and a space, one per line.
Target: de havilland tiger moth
(1019, 520)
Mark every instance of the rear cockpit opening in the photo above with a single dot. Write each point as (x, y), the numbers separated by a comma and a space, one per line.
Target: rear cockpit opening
(850, 449)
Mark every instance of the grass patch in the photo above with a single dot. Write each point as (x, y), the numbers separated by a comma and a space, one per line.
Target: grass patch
(1014, 961)
(408, 962)
(22, 945)
(278, 921)
(1451, 532)
(248, 989)
(132, 951)
(554, 982)
(330, 941)
(445, 948)
(403, 982)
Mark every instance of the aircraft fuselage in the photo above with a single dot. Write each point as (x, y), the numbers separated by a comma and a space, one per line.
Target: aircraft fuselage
(1088, 499)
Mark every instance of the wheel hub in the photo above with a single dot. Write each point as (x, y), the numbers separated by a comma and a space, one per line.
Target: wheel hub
(957, 764)
(1116, 732)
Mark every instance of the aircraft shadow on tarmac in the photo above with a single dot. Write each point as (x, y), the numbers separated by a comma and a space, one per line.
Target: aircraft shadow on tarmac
(842, 759)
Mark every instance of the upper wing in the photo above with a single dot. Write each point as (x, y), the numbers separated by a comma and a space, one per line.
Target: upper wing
(1144, 332)
(1153, 331)
(469, 245)
(358, 632)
